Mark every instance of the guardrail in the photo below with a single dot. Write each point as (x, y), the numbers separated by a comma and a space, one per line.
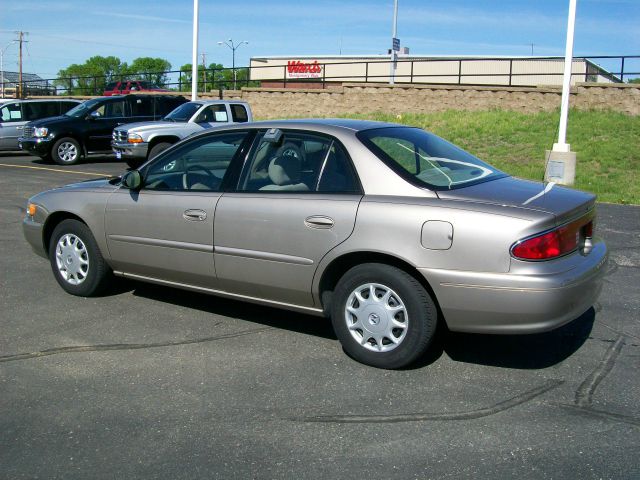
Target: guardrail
(458, 71)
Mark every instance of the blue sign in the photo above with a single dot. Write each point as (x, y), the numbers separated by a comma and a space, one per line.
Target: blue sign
(396, 44)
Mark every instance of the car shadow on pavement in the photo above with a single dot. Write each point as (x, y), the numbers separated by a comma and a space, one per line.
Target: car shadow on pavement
(267, 316)
(533, 351)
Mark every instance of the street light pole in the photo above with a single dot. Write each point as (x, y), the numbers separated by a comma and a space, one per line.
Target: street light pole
(393, 37)
(194, 54)
(2, 63)
(229, 43)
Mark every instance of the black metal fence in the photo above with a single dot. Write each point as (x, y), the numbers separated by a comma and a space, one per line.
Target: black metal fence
(461, 71)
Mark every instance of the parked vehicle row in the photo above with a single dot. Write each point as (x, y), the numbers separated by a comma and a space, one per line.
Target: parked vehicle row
(126, 125)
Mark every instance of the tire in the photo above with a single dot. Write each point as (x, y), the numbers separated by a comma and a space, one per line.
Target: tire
(401, 309)
(158, 148)
(66, 151)
(134, 162)
(76, 261)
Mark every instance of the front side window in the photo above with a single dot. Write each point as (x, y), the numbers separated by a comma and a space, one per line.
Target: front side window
(299, 162)
(213, 114)
(199, 165)
(425, 159)
(11, 113)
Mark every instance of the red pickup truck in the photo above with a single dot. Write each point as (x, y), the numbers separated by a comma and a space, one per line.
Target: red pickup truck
(127, 86)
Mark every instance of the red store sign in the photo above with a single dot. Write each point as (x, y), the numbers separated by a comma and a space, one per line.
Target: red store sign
(298, 69)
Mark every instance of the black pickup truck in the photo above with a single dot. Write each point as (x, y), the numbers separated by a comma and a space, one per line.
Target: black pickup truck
(87, 128)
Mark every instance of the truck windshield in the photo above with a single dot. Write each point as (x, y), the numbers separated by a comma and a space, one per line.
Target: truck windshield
(184, 112)
(425, 159)
(84, 108)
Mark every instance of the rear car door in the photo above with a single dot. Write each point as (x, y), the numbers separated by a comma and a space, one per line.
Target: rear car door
(12, 121)
(296, 199)
(165, 230)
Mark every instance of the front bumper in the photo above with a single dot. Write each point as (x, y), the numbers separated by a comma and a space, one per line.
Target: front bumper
(524, 303)
(36, 146)
(32, 230)
(130, 150)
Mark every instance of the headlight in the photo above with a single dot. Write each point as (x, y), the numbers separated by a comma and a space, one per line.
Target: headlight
(41, 132)
(134, 138)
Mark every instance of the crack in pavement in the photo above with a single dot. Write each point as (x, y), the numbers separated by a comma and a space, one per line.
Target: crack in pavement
(125, 346)
(417, 417)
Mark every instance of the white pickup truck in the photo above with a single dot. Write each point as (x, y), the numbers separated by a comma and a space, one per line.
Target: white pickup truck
(135, 143)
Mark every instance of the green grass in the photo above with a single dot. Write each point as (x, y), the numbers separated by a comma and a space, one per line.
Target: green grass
(607, 144)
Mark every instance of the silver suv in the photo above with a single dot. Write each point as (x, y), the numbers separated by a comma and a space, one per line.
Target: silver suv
(138, 142)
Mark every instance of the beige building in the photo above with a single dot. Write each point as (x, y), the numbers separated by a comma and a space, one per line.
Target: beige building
(319, 71)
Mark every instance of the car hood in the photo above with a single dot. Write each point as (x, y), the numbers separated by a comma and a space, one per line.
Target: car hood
(142, 127)
(50, 121)
(564, 203)
(102, 184)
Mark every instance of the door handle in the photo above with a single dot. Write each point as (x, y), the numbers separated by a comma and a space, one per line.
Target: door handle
(19, 128)
(194, 215)
(319, 221)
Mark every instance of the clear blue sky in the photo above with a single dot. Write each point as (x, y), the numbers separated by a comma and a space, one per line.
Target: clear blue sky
(70, 31)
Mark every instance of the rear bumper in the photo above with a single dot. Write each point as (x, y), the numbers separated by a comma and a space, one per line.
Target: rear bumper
(130, 150)
(512, 304)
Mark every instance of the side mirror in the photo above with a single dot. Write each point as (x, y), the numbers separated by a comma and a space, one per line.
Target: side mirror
(132, 180)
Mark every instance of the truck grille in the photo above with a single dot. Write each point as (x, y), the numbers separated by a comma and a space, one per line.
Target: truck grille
(119, 135)
(27, 132)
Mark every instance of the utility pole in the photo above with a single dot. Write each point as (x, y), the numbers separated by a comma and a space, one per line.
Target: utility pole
(20, 40)
(194, 53)
(392, 73)
(204, 71)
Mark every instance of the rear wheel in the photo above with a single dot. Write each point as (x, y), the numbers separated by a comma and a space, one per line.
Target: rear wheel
(383, 316)
(66, 151)
(76, 261)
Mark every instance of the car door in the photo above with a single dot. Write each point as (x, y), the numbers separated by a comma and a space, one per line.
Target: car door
(12, 121)
(212, 115)
(165, 230)
(285, 216)
(101, 122)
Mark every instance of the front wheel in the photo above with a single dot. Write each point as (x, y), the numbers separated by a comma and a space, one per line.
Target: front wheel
(158, 148)
(66, 151)
(383, 316)
(76, 261)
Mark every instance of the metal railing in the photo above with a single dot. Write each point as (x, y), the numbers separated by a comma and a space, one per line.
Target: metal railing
(460, 71)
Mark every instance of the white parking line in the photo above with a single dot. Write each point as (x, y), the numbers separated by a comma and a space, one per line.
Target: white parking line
(55, 170)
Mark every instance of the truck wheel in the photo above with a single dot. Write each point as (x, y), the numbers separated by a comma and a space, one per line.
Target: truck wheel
(66, 151)
(76, 261)
(158, 148)
(383, 316)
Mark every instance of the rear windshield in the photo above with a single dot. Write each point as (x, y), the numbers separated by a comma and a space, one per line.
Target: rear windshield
(184, 112)
(426, 160)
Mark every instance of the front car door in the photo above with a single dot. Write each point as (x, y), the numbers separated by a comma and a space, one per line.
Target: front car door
(165, 230)
(101, 122)
(296, 199)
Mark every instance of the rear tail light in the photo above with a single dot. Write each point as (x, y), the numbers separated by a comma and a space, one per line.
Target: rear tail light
(554, 243)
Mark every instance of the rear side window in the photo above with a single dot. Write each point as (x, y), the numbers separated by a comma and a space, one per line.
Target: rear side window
(142, 107)
(299, 162)
(165, 105)
(66, 106)
(38, 110)
(239, 113)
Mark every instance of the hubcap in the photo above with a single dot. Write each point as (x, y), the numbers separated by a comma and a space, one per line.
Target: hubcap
(67, 152)
(72, 259)
(376, 317)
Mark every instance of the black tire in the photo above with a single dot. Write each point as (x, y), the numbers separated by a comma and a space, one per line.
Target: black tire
(417, 311)
(90, 279)
(134, 162)
(66, 151)
(158, 148)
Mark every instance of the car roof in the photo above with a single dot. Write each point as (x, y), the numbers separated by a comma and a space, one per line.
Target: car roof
(216, 101)
(35, 100)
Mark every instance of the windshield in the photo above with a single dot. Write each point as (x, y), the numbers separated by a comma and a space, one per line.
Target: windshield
(184, 112)
(84, 108)
(425, 159)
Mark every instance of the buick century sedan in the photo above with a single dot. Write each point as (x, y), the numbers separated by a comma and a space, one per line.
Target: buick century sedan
(388, 230)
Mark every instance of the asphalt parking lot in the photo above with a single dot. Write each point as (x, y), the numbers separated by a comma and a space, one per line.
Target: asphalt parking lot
(149, 382)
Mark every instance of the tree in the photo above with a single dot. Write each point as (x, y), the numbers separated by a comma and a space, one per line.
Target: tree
(91, 76)
(150, 69)
(634, 80)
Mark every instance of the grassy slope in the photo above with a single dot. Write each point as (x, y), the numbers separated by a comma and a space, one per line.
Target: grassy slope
(607, 144)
